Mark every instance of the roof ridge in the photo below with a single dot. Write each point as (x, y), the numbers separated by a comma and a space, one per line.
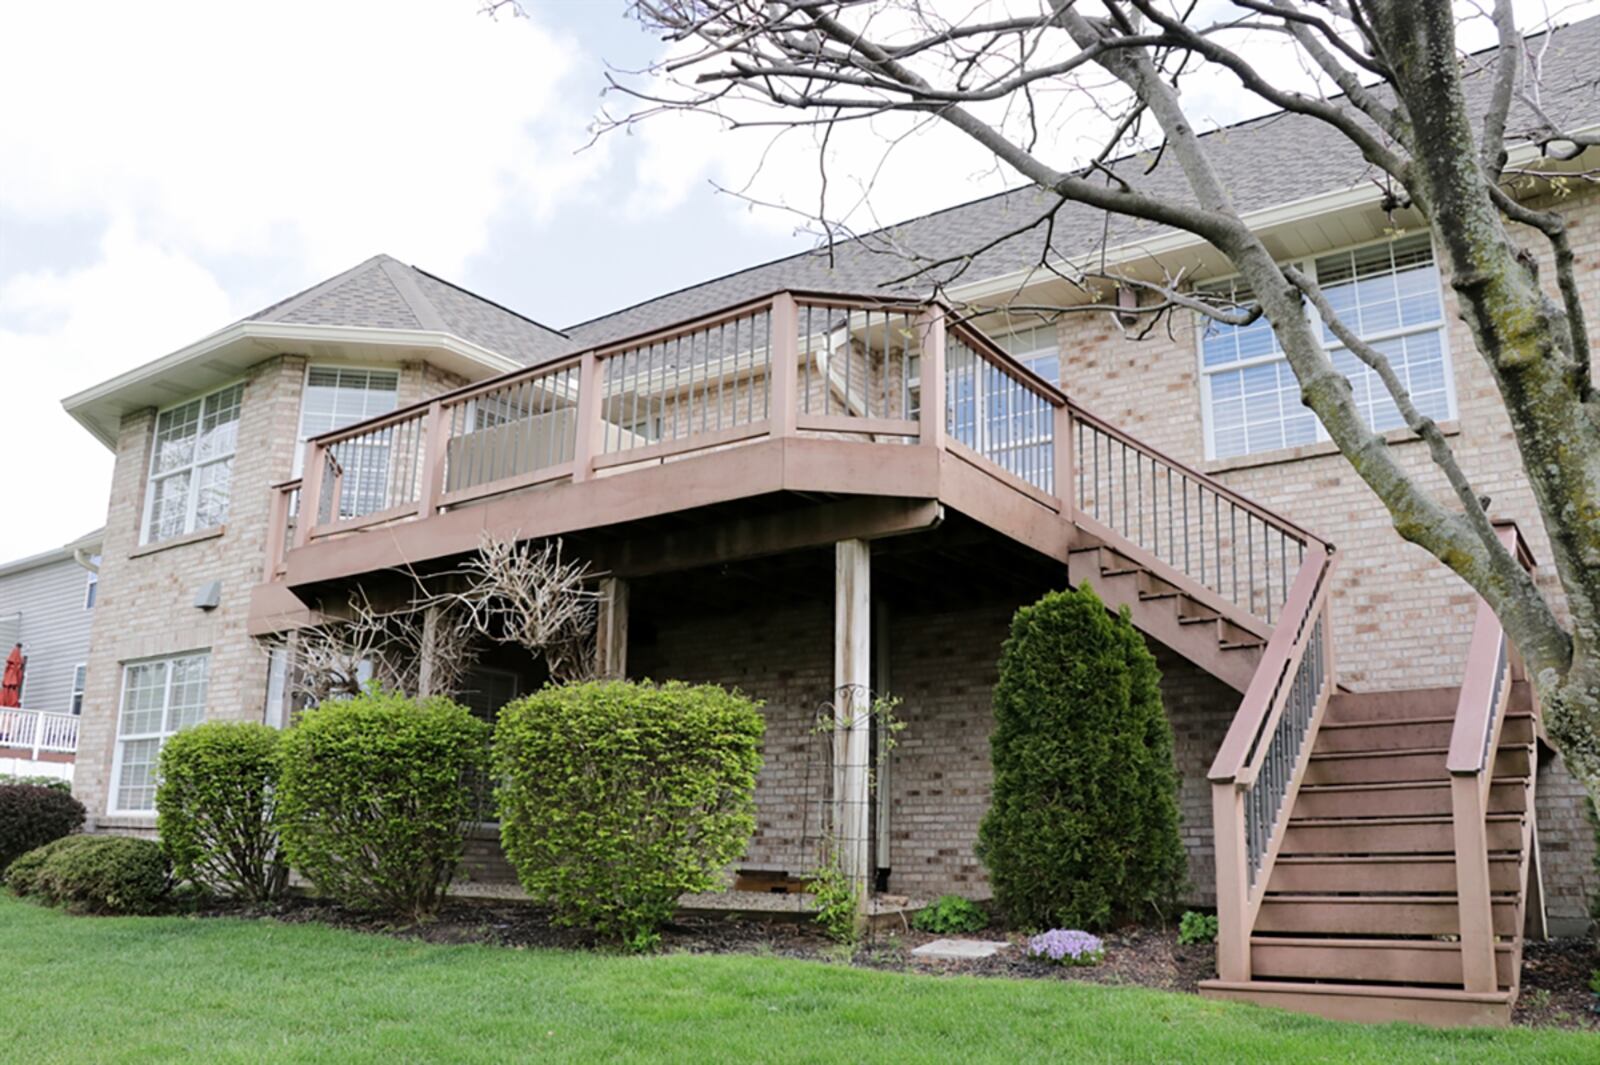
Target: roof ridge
(275, 312)
(400, 276)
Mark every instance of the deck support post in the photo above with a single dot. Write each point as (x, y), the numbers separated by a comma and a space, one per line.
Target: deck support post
(428, 651)
(930, 415)
(852, 701)
(1473, 903)
(611, 630)
(1233, 881)
(311, 496)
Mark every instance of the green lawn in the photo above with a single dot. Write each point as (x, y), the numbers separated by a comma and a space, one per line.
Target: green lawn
(79, 989)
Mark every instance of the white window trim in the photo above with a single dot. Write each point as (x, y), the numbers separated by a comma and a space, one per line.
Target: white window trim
(1307, 266)
(112, 809)
(76, 693)
(90, 587)
(150, 476)
(297, 468)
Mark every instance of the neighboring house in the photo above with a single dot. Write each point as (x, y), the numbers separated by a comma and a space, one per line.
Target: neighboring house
(804, 482)
(47, 606)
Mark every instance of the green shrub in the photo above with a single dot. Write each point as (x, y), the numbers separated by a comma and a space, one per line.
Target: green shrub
(32, 815)
(216, 808)
(951, 914)
(838, 904)
(53, 783)
(616, 798)
(1082, 829)
(1196, 927)
(95, 874)
(372, 799)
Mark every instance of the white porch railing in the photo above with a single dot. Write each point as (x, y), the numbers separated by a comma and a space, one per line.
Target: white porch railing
(39, 731)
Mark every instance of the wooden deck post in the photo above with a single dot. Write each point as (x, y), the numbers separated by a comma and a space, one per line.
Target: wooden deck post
(1064, 461)
(930, 384)
(428, 652)
(852, 679)
(782, 401)
(1473, 904)
(587, 428)
(435, 442)
(611, 629)
(311, 495)
(1233, 881)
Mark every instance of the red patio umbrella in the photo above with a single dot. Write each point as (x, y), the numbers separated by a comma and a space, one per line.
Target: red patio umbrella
(11, 683)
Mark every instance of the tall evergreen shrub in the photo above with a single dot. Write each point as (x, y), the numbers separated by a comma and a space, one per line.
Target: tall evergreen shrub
(1082, 830)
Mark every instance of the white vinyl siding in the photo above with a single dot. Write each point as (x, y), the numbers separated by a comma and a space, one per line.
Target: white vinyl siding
(1388, 293)
(159, 697)
(191, 467)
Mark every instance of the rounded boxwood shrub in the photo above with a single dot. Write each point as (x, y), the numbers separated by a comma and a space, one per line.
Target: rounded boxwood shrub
(95, 874)
(374, 799)
(32, 815)
(615, 798)
(216, 808)
(1082, 829)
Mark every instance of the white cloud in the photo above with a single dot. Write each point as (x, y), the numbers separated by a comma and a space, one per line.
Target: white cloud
(337, 129)
(72, 329)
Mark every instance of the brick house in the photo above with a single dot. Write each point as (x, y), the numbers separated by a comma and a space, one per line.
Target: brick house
(809, 483)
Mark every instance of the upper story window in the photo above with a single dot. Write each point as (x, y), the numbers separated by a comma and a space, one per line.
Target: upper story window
(1388, 293)
(91, 588)
(1038, 348)
(337, 396)
(80, 683)
(191, 467)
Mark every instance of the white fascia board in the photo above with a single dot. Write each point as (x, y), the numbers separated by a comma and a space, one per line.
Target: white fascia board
(253, 341)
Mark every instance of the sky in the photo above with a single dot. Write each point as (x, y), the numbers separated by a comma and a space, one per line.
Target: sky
(167, 168)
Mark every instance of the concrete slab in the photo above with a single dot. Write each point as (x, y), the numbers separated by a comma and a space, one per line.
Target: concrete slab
(959, 949)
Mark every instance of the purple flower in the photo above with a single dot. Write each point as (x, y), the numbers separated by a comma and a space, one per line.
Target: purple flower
(1067, 947)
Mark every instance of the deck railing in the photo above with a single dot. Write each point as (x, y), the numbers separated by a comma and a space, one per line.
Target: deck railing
(1258, 768)
(39, 731)
(793, 363)
(1491, 668)
(1186, 519)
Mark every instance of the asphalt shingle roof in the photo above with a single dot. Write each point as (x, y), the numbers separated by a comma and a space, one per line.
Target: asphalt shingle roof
(1264, 162)
(385, 293)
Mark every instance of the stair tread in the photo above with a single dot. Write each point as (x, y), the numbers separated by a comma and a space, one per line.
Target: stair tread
(1315, 942)
(1439, 719)
(1364, 990)
(1381, 859)
(1381, 900)
(1419, 819)
(1393, 785)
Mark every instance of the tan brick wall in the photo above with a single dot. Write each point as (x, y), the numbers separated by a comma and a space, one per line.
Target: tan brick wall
(1402, 620)
(145, 600)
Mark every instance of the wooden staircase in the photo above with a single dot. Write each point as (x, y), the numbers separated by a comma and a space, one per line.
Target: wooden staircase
(1361, 918)
(1376, 855)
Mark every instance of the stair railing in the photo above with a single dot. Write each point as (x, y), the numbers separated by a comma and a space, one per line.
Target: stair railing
(1480, 716)
(1258, 769)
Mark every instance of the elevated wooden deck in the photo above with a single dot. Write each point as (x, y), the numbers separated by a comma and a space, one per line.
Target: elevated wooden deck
(804, 420)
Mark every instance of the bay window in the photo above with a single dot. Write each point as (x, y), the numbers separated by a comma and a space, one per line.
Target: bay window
(1387, 293)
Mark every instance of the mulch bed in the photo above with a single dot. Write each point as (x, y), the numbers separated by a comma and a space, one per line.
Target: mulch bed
(1555, 990)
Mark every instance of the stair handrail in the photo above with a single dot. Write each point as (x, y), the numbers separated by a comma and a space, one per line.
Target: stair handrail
(1258, 768)
(1486, 683)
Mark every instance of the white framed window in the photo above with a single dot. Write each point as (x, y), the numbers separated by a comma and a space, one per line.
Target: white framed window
(91, 588)
(80, 675)
(160, 696)
(337, 396)
(191, 465)
(1388, 293)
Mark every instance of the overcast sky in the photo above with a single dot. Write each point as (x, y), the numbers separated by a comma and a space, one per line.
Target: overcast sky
(168, 167)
